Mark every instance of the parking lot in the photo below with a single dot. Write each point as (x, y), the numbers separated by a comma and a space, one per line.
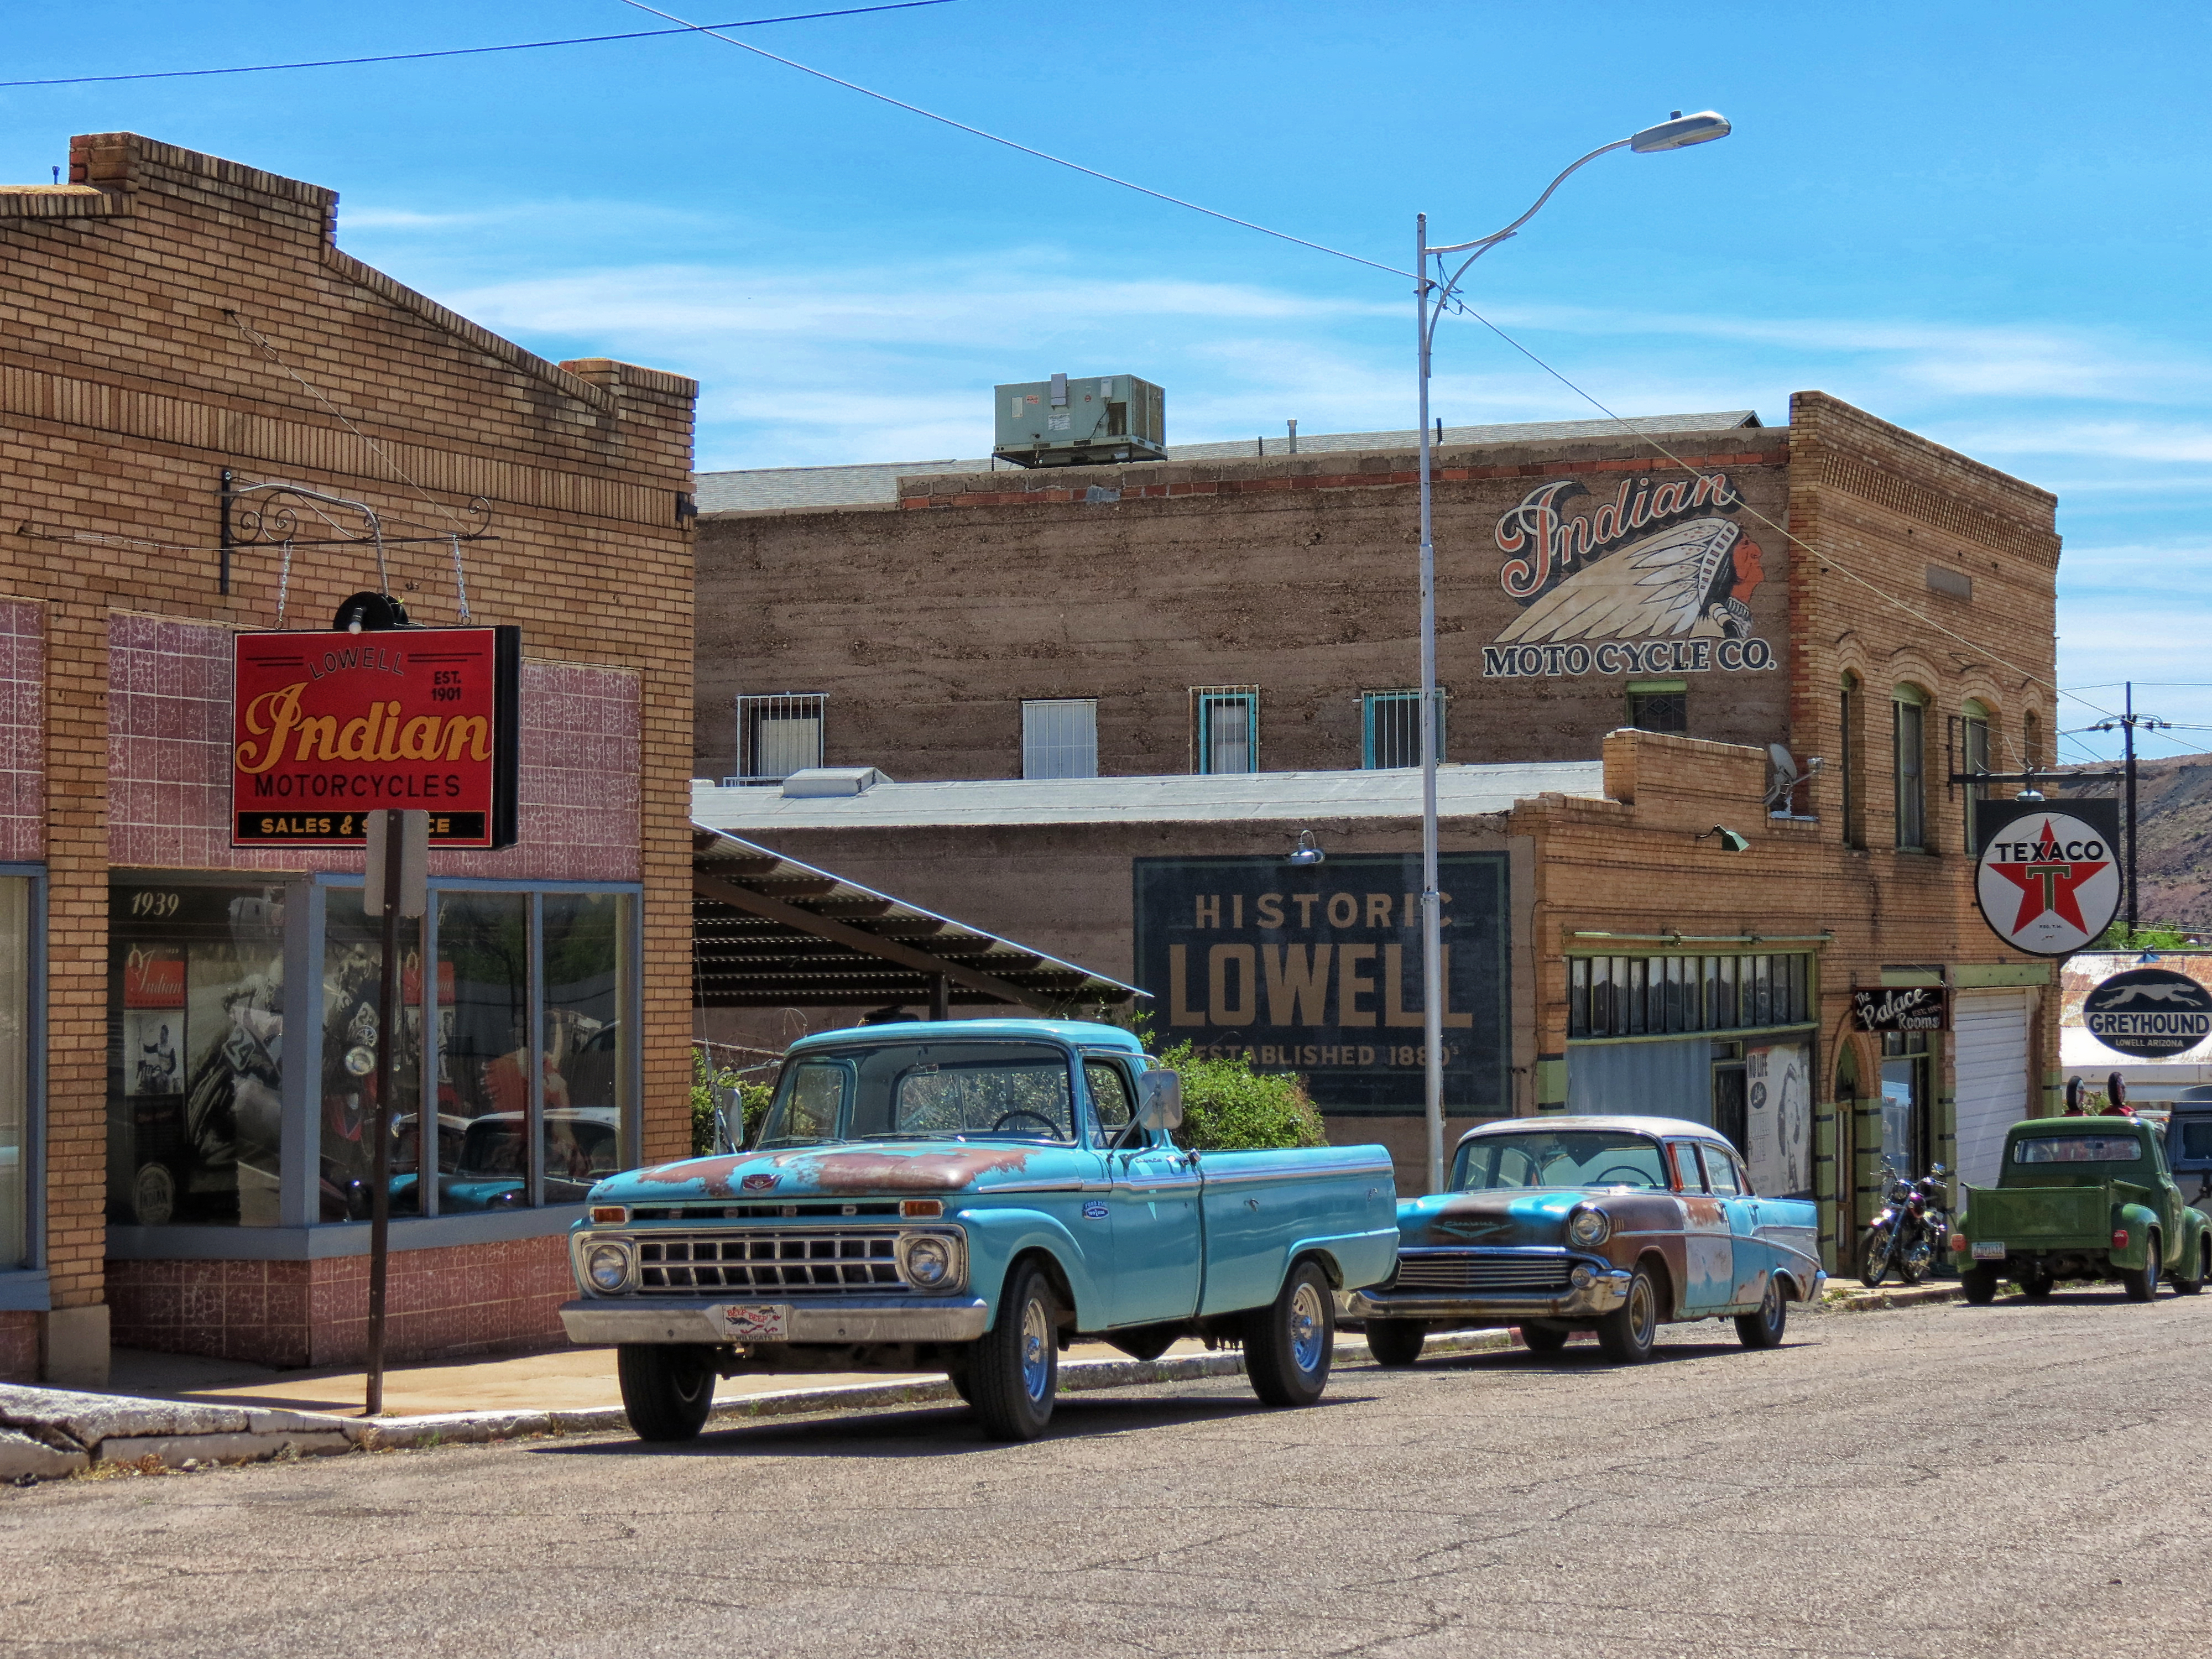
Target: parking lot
(1940, 1480)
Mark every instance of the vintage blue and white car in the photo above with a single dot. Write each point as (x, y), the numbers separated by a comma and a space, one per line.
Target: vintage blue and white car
(966, 1196)
(1611, 1224)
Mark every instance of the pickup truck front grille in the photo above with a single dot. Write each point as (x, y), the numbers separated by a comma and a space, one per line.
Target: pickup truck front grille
(1503, 1272)
(815, 1262)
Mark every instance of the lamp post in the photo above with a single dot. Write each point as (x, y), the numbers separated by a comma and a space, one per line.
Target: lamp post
(1430, 296)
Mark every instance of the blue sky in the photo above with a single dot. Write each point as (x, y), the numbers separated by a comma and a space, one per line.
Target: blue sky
(1987, 223)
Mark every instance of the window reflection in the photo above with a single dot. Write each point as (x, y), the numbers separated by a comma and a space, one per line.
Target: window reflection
(586, 1045)
(484, 1051)
(353, 969)
(15, 1069)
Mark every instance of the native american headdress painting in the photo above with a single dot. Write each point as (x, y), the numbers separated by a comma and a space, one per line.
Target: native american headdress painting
(1692, 578)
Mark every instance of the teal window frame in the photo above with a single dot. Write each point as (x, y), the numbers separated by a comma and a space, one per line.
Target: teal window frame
(1210, 701)
(1370, 749)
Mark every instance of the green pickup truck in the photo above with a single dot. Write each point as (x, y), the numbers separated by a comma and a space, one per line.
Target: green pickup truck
(2081, 1198)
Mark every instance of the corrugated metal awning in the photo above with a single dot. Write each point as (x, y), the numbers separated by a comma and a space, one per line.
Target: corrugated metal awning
(769, 932)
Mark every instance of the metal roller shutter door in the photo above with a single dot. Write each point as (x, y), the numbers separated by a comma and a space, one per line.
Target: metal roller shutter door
(1991, 1071)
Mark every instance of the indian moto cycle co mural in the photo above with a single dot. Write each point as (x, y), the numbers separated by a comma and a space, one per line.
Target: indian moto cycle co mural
(1658, 580)
(1317, 969)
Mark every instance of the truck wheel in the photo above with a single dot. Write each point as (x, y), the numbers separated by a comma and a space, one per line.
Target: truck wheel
(1980, 1284)
(1395, 1341)
(1763, 1329)
(2141, 1284)
(1626, 1334)
(1288, 1344)
(1543, 1339)
(1013, 1368)
(668, 1388)
(2203, 1263)
(2037, 1287)
(1873, 1255)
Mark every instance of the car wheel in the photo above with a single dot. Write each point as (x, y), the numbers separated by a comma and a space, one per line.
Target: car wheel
(1013, 1368)
(153, 1195)
(668, 1388)
(1288, 1344)
(1763, 1329)
(2037, 1287)
(1543, 1339)
(1395, 1341)
(1626, 1334)
(1873, 1255)
(1980, 1284)
(2141, 1284)
(2194, 1282)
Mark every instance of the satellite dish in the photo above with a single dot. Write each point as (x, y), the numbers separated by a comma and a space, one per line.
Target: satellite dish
(1783, 762)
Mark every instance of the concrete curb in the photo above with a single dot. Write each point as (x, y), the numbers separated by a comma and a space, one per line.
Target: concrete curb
(1876, 1301)
(52, 1433)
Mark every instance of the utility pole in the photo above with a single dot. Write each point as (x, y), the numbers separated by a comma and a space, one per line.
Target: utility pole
(2126, 724)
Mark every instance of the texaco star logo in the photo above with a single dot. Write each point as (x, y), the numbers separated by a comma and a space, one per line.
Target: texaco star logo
(2048, 883)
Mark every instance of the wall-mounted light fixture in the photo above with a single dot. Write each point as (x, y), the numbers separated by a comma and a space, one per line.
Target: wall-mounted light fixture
(1308, 850)
(1730, 841)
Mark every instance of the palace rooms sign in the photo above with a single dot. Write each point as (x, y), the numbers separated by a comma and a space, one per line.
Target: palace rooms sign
(1317, 969)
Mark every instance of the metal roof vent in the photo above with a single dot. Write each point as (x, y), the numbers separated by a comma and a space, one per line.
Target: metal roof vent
(817, 781)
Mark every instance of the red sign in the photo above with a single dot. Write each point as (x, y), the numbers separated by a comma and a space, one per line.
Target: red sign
(330, 727)
(153, 979)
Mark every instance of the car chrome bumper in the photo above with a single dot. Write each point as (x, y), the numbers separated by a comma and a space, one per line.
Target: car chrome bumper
(1605, 1292)
(849, 1319)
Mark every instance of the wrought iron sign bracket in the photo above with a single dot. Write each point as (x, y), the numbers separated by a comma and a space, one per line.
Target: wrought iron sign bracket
(274, 514)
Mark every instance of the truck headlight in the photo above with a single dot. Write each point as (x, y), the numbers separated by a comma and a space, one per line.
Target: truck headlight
(607, 1266)
(928, 1262)
(1589, 1227)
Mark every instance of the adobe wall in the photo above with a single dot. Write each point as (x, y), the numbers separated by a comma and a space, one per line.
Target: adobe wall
(927, 627)
(129, 385)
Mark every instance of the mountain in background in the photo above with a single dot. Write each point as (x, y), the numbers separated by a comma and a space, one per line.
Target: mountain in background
(2173, 843)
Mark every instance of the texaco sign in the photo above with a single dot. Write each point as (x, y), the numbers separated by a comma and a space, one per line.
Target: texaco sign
(2048, 881)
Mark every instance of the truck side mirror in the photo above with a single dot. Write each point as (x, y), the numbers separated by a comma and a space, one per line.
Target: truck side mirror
(1160, 1100)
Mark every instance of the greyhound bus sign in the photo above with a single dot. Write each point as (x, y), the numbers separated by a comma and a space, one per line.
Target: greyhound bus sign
(2151, 1013)
(2048, 880)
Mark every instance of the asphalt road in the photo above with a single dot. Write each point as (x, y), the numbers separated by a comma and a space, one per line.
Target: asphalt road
(1944, 1481)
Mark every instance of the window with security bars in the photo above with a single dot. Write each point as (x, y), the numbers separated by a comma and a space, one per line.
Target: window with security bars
(1059, 737)
(1225, 728)
(778, 735)
(1659, 711)
(1390, 728)
(1656, 996)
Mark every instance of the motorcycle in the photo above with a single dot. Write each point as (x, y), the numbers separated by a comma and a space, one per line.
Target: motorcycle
(1908, 1231)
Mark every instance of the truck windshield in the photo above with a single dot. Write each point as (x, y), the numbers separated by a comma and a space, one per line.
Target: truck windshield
(2078, 1149)
(906, 1090)
(1570, 1158)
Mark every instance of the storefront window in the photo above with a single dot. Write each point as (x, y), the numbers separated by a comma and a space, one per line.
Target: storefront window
(483, 1050)
(1635, 996)
(1905, 1061)
(195, 1051)
(14, 1069)
(587, 1048)
(353, 966)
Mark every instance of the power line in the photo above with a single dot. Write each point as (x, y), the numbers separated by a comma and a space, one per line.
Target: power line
(464, 52)
(709, 29)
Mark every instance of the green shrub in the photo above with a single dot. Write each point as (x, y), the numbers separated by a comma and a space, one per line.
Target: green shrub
(708, 1080)
(1228, 1106)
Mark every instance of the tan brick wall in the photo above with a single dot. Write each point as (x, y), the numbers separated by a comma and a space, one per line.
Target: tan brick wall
(129, 386)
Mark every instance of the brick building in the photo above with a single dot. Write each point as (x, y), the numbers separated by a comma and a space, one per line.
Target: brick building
(1111, 698)
(192, 375)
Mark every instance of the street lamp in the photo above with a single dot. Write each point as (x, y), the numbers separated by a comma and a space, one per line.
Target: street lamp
(1431, 295)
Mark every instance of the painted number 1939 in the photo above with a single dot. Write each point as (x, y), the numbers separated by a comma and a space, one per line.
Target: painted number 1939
(148, 903)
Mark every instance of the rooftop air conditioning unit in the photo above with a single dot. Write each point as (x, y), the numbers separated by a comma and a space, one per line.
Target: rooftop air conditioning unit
(1082, 423)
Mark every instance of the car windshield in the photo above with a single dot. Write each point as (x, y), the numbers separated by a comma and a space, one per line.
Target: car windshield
(2077, 1149)
(1563, 1158)
(902, 1090)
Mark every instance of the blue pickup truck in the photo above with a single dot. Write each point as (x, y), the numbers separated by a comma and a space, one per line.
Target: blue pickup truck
(968, 1196)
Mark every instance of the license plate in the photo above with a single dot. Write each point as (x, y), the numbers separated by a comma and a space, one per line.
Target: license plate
(1987, 1252)
(756, 1322)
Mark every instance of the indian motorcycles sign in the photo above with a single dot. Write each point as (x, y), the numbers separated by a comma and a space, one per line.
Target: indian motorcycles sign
(1656, 580)
(328, 727)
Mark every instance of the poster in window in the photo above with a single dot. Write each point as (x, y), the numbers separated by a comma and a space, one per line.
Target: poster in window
(1778, 1119)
